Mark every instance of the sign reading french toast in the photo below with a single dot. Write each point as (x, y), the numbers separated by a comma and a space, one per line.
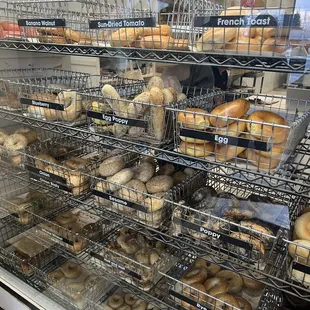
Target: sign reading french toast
(51, 22)
(111, 118)
(228, 140)
(246, 21)
(123, 23)
(43, 104)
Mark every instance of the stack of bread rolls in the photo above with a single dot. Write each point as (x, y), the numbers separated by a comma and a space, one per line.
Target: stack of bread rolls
(273, 39)
(299, 250)
(216, 122)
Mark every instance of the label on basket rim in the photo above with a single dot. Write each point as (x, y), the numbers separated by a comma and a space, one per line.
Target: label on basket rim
(188, 300)
(229, 140)
(111, 118)
(57, 237)
(51, 183)
(301, 267)
(113, 264)
(245, 21)
(214, 234)
(45, 174)
(123, 23)
(123, 202)
(42, 104)
(47, 22)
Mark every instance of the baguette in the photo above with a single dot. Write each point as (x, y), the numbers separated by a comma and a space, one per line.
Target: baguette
(157, 114)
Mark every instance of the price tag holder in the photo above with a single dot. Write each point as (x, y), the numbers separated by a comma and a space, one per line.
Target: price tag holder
(214, 234)
(188, 300)
(301, 267)
(123, 23)
(123, 202)
(65, 240)
(45, 174)
(115, 265)
(50, 22)
(42, 104)
(246, 21)
(117, 119)
(228, 140)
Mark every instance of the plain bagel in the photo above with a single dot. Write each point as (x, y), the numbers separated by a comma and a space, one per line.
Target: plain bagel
(236, 109)
(233, 130)
(302, 225)
(225, 152)
(72, 102)
(275, 45)
(300, 250)
(262, 162)
(196, 150)
(266, 131)
(234, 280)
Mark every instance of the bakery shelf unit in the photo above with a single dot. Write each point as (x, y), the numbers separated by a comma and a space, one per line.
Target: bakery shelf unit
(185, 32)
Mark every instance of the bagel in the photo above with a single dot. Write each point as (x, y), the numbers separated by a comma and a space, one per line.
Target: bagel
(216, 286)
(155, 204)
(197, 293)
(55, 277)
(3, 136)
(267, 33)
(76, 163)
(14, 143)
(71, 229)
(244, 44)
(276, 45)
(225, 302)
(66, 218)
(160, 183)
(196, 150)
(265, 128)
(40, 158)
(236, 109)
(275, 152)
(243, 303)
(233, 130)
(235, 281)
(29, 133)
(134, 191)
(111, 166)
(194, 118)
(212, 269)
(71, 270)
(115, 301)
(300, 251)
(252, 286)
(78, 244)
(193, 140)
(197, 275)
(72, 102)
(144, 172)
(16, 160)
(225, 152)
(302, 227)
(261, 162)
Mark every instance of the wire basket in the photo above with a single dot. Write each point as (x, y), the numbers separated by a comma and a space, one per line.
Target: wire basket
(128, 113)
(196, 296)
(133, 198)
(233, 219)
(64, 163)
(47, 94)
(55, 22)
(262, 135)
(143, 273)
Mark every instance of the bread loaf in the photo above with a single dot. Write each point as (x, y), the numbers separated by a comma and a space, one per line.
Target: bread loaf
(215, 38)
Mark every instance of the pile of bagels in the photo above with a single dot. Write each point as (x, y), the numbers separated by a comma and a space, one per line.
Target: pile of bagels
(224, 287)
(12, 144)
(140, 184)
(149, 105)
(73, 104)
(247, 40)
(242, 125)
(299, 250)
(159, 37)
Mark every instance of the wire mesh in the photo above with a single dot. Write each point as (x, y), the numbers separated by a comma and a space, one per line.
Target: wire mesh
(262, 137)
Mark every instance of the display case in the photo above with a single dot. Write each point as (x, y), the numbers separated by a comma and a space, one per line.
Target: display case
(146, 193)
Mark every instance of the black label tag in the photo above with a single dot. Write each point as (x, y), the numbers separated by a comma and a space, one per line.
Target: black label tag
(123, 23)
(222, 139)
(245, 21)
(123, 202)
(301, 267)
(50, 22)
(113, 264)
(118, 120)
(214, 234)
(189, 301)
(46, 174)
(42, 104)
(181, 266)
(15, 215)
(58, 237)
(38, 178)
